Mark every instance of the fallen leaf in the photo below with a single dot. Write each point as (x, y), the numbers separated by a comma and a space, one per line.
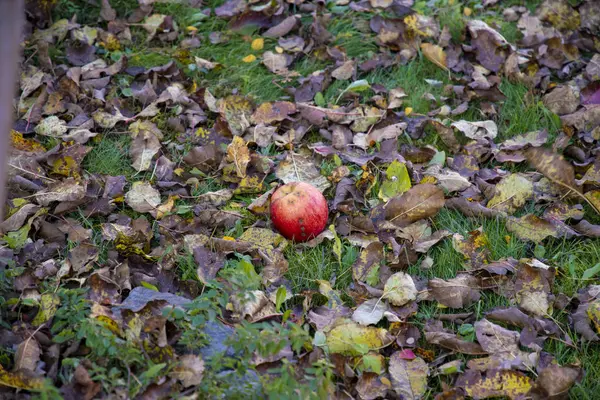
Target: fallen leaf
(553, 166)
(370, 312)
(239, 155)
(367, 261)
(531, 227)
(371, 386)
(276, 63)
(409, 377)
(350, 339)
(459, 292)
(399, 289)
(52, 126)
(477, 129)
(301, 168)
(142, 197)
(189, 370)
(511, 193)
(495, 383)
(344, 71)
(396, 182)
(421, 201)
(554, 382)
(451, 181)
(533, 287)
(435, 54)
(22, 379)
(27, 355)
(145, 145)
(267, 113)
(66, 190)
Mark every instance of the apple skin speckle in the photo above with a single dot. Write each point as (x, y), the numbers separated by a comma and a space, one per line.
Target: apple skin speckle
(299, 211)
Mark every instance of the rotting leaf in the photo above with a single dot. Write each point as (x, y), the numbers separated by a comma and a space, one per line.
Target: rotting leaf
(409, 377)
(495, 383)
(533, 287)
(21, 379)
(531, 227)
(512, 193)
(369, 259)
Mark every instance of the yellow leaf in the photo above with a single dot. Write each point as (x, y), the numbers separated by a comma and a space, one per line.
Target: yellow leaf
(467, 11)
(258, 44)
(349, 338)
(278, 49)
(20, 143)
(178, 171)
(435, 54)
(229, 238)
(408, 111)
(249, 58)
(22, 379)
(337, 244)
(66, 166)
(429, 179)
(166, 208)
(239, 155)
(48, 305)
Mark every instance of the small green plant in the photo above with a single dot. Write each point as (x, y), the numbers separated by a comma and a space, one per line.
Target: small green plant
(192, 319)
(74, 309)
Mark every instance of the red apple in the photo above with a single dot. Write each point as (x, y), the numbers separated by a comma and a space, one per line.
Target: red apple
(299, 211)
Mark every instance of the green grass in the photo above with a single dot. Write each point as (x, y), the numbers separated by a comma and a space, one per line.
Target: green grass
(110, 156)
(521, 112)
(307, 265)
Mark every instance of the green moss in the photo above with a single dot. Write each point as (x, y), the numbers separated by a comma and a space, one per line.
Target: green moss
(148, 59)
